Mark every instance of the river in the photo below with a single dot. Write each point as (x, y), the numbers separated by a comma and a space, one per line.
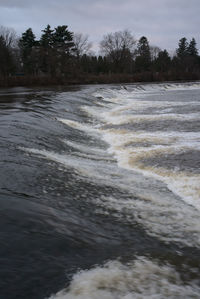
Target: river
(100, 192)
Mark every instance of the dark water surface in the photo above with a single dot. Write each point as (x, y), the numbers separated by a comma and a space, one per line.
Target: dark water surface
(68, 203)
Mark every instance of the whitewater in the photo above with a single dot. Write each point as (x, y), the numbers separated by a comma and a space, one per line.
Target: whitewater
(117, 170)
(130, 121)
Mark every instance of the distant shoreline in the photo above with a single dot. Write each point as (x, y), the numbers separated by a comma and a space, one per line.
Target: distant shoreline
(147, 77)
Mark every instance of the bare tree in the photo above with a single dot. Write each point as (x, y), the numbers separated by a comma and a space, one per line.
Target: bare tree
(117, 41)
(119, 47)
(154, 51)
(82, 44)
(10, 36)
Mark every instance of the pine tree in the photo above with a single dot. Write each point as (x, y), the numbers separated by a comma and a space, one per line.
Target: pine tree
(47, 59)
(193, 58)
(163, 61)
(28, 40)
(46, 39)
(29, 53)
(63, 38)
(182, 50)
(63, 49)
(143, 59)
(192, 50)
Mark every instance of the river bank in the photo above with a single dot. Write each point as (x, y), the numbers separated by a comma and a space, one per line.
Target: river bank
(22, 80)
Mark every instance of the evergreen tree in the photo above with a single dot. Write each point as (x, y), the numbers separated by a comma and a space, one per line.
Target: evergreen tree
(182, 50)
(188, 56)
(163, 61)
(143, 48)
(63, 49)
(63, 38)
(192, 49)
(28, 40)
(46, 39)
(47, 59)
(143, 59)
(193, 58)
(29, 53)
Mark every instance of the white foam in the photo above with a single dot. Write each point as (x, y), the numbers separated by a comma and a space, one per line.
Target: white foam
(89, 151)
(184, 184)
(89, 129)
(82, 166)
(162, 218)
(118, 116)
(159, 210)
(142, 278)
(141, 89)
(162, 215)
(181, 183)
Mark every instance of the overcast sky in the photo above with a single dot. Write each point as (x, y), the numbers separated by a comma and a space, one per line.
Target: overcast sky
(163, 22)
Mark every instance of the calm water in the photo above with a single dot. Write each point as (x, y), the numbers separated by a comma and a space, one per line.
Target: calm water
(100, 192)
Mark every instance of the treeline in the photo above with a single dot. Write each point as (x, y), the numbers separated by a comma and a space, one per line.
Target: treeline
(60, 56)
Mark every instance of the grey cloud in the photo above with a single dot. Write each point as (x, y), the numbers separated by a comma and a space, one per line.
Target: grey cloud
(164, 22)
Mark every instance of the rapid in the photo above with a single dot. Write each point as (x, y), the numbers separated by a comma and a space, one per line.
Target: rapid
(100, 191)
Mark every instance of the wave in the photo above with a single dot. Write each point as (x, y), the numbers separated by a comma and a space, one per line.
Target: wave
(142, 278)
(147, 202)
(162, 190)
(173, 131)
(161, 196)
(130, 148)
